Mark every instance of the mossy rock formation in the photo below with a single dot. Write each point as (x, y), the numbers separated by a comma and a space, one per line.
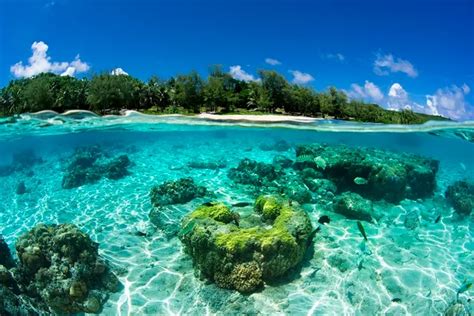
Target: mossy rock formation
(245, 258)
(373, 173)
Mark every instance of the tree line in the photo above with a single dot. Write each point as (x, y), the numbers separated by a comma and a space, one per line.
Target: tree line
(190, 93)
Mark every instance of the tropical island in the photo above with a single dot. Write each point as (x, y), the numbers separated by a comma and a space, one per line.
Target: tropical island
(189, 94)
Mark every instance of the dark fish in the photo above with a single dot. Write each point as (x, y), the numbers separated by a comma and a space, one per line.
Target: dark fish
(324, 220)
(437, 219)
(361, 229)
(312, 234)
(208, 204)
(241, 204)
(396, 300)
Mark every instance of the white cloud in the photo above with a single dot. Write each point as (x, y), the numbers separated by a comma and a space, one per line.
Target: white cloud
(383, 65)
(238, 73)
(449, 102)
(40, 62)
(369, 91)
(118, 71)
(272, 61)
(336, 56)
(398, 98)
(301, 77)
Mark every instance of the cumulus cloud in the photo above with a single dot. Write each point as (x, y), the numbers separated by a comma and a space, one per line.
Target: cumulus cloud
(336, 56)
(398, 98)
(238, 73)
(385, 64)
(272, 61)
(118, 71)
(450, 102)
(369, 91)
(301, 77)
(40, 62)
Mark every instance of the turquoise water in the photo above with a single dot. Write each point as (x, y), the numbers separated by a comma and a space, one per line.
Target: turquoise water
(405, 271)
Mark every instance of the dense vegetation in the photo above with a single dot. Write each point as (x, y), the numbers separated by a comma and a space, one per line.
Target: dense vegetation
(187, 94)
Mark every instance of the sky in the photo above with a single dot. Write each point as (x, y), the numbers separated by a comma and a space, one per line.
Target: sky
(416, 54)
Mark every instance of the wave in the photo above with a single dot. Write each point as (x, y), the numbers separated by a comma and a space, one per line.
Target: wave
(50, 122)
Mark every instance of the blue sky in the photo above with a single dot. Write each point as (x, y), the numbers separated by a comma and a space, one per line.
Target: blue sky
(416, 54)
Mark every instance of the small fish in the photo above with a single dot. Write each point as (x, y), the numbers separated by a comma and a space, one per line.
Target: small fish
(464, 287)
(362, 230)
(360, 181)
(396, 300)
(208, 203)
(241, 204)
(320, 162)
(437, 219)
(463, 166)
(324, 220)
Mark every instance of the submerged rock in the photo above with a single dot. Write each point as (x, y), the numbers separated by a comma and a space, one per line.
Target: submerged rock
(353, 206)
(461, 195)
(203, 164)
(279, 145)
(6, 258)
(254, 173)
(60, 267)
(282, 161)
(245, 259)
(176, 192)
(21, 188)
(372, 173)
(21, 161)
(89, 164)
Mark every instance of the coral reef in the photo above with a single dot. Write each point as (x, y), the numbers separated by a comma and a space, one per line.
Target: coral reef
(241, 258)
(254, 173)
(60, 267)
(176, 192)
(373, 173)
(461, 195)
(353, 206)
(89, 164)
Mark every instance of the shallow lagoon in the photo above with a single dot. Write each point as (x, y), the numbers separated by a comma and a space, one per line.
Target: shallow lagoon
(399, 271)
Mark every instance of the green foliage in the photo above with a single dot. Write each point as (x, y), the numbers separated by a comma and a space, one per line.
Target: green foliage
(187, 94)
(113, 92)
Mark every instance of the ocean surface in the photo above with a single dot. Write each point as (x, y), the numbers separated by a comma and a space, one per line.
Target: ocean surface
(406, 270)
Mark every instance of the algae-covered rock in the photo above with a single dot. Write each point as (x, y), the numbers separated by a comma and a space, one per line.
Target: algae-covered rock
(372, 173)
(176, 192)
(6, 258)
(246, 258)
(353, 206)
(254, 173)
(60, 266)
(461, 195)
(89, 164)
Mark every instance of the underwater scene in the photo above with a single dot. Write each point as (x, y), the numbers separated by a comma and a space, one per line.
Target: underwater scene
(143, 215)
